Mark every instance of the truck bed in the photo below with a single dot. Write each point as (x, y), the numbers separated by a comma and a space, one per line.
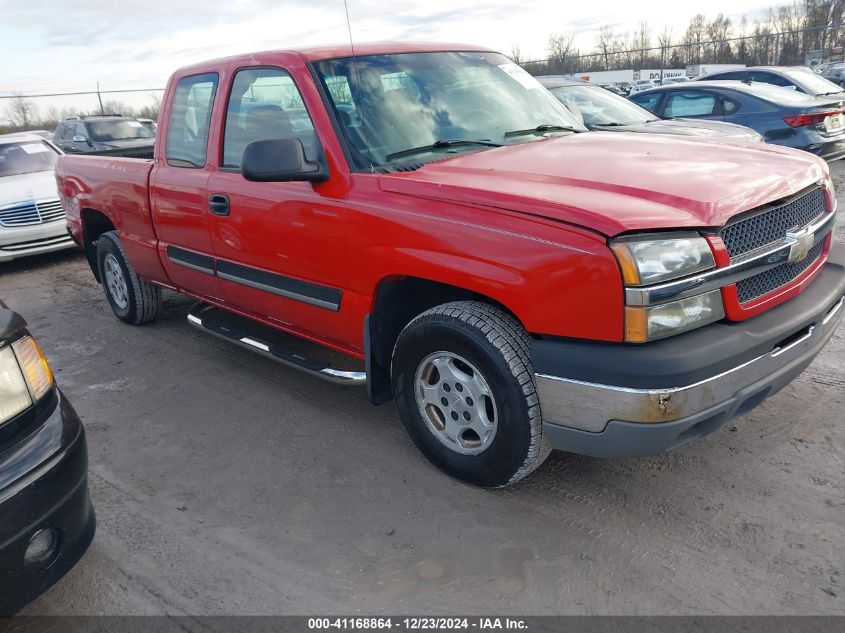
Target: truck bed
(118, 188)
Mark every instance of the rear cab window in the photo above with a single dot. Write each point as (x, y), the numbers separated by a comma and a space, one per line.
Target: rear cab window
(265, 104)
(190, 118)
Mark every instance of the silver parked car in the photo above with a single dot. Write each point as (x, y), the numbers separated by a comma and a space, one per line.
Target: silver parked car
(31, 217)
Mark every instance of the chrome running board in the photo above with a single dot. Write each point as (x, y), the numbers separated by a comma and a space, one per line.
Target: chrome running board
(268, 342)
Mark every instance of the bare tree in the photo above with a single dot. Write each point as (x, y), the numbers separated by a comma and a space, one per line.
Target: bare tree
(516, 54)
(562, 52)
(642, 41)
(604, 45)
(664, 41)
(22, 112)
(693, 38)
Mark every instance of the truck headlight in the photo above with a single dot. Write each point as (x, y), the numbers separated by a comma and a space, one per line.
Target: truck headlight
(653, 259)
(648, 323)
(25, 377)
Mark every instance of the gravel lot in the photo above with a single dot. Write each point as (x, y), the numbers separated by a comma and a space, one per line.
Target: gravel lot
(227, 484)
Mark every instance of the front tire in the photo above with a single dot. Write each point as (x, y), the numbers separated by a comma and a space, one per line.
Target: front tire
(464, 386)
(131, 299)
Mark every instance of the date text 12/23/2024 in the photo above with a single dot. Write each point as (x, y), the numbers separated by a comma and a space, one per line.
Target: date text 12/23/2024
(417, 623)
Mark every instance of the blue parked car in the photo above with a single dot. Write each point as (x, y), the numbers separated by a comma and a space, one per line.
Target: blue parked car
(782, 116)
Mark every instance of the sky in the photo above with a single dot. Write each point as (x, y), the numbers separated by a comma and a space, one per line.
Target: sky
(69, 46)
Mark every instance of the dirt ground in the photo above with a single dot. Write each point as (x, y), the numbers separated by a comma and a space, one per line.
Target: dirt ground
(227, 484)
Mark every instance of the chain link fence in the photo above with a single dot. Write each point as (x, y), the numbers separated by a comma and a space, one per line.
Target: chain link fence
(764, 47)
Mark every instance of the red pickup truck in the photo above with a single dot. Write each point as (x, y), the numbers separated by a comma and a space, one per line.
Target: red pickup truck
(514, 282)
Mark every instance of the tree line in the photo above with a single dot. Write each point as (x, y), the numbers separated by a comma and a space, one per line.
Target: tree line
(782, 37)
(22, 113)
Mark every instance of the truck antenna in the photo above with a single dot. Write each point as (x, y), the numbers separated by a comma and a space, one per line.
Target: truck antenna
(362, 116)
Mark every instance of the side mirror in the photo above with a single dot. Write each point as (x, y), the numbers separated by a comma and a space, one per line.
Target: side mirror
(280, 160)
(78, 138)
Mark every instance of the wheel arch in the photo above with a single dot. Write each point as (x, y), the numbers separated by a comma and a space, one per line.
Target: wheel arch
(396, 301)
(94, 224)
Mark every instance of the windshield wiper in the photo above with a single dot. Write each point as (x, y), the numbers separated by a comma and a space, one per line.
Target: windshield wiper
(545, 127)
(440, 144)
(612, 124)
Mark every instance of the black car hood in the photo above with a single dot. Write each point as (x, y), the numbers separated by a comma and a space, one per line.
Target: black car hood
(690, 127)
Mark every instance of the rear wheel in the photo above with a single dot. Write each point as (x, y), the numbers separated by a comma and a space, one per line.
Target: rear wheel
(464, 386)
(131, 299)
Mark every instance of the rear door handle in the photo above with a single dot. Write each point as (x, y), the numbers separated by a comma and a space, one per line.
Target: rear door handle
(218, 204)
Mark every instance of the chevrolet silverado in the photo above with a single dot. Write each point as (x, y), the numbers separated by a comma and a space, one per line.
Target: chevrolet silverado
(432, 214)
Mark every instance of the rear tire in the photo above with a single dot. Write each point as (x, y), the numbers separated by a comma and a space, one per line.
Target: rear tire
(131, 299)
(464, 386)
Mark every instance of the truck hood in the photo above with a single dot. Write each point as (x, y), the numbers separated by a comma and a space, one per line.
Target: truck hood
(40, 185)
(616, 182)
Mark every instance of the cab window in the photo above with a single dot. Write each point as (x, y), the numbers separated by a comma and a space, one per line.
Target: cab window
(265, 104)
(190, 117)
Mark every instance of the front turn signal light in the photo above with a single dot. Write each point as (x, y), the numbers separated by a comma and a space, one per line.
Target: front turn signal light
(34, 366)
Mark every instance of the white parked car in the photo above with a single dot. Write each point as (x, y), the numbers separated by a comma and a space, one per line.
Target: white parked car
(31, 217)
(643, 84)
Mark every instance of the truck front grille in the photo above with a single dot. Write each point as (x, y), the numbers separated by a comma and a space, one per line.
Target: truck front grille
(770, 227)
(766, 282)
(31, 213)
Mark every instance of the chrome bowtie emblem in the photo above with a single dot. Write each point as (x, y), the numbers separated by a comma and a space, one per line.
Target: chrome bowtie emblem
(804, 241)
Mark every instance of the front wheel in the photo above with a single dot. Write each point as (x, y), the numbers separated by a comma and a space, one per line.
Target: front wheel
(131, 298)
(464, 386)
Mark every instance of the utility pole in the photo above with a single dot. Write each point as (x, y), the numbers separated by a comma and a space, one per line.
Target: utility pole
(100, 99)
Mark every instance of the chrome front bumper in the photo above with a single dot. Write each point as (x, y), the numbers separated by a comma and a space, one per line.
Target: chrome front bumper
(607, 420)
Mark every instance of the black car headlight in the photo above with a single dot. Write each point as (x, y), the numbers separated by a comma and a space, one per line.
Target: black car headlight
(25, 377)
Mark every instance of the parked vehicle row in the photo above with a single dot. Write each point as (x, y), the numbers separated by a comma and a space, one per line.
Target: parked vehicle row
(783, 117)
(515, 283)
(599, 110)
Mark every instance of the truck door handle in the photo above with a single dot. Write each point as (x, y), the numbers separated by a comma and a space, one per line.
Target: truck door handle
(218, 204)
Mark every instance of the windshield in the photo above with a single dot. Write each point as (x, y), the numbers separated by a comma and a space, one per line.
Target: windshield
(26, 157)
(117, 130)
(390, 104)
(811, 82)
(597, 106)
